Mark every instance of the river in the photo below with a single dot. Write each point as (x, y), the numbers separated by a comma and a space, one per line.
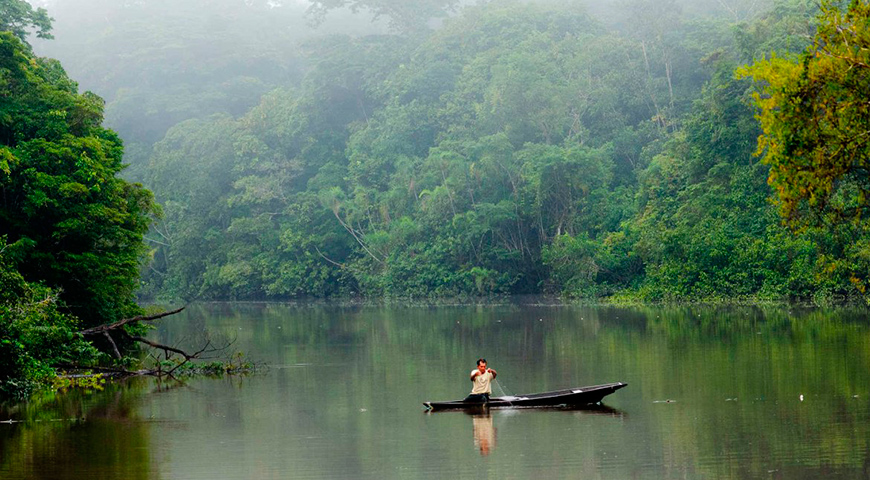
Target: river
(729, 392)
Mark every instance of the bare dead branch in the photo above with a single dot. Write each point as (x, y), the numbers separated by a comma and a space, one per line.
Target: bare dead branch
(339, 265)
(112, 342)
(160, 346)
(121, 323)
(158, 242)
(187, 359)
(352, 231)
(168, 350)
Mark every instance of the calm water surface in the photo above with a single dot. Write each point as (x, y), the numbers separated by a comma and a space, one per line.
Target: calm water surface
(734, 392)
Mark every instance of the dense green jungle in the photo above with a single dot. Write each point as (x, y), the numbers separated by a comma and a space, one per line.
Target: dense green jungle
(516, 148)
(629, 150)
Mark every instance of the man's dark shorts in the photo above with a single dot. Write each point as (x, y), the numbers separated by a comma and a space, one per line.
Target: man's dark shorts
(477, 398)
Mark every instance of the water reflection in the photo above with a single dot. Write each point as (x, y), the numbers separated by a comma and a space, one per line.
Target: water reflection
(78, 435)
(484, 432)
(344, 391)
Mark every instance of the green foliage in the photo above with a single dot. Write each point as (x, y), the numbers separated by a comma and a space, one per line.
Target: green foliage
(785, 29)
(433, 168)
(70, 231)
(814, 116)
(34, 334)
(575, 264)
(87, 382)
(69, 221)
(517, 148)
(815, 119)
(19, 17)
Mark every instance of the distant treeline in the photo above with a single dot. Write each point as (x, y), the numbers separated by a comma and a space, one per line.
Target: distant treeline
(516, 148)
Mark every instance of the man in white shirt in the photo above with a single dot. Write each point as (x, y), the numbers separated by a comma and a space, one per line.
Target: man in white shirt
(481, 379)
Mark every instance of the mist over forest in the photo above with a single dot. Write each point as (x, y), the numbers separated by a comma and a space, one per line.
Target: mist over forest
(362, 193)
(443, 148)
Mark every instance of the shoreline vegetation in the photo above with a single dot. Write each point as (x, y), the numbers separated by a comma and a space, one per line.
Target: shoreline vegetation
(617, 300)
(663, 153)
(71, 232)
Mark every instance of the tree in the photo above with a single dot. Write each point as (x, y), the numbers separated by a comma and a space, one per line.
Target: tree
(18, 17)
(70, 222)
(815, 116)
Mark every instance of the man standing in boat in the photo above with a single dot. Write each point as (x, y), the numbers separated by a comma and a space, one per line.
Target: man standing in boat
(481, 378)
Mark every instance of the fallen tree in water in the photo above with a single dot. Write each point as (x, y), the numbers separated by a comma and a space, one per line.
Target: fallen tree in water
(175, 360)
(106, 331)
(42, 346)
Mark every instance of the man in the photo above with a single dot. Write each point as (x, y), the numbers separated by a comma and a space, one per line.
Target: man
(481, 378)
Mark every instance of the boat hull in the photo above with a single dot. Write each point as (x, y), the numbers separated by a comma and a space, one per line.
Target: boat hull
(571, 397)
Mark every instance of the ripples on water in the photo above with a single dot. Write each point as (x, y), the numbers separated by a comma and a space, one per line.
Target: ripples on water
(713, 393)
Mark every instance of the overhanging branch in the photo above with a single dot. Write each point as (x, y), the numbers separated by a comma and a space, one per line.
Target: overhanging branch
(121, 323)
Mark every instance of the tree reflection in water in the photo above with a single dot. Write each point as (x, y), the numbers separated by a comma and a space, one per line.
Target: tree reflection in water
(79, 434)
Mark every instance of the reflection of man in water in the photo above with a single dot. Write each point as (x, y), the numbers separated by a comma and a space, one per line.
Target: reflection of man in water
(481, 378)
(484, 433)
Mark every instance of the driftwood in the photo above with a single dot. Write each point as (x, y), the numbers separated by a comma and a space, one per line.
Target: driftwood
(168, 350)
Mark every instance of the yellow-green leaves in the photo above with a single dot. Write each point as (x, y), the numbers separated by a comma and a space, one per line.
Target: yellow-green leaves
(815, 115)
(6, 158)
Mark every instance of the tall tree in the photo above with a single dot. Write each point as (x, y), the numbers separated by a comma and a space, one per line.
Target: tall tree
(816, 119)
(19, 17)
(70, 222)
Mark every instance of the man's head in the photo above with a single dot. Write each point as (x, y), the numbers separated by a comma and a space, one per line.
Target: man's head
(481, 364)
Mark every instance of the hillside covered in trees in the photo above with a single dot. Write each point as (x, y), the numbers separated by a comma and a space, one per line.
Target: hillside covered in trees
(457, 149)
(514, 148)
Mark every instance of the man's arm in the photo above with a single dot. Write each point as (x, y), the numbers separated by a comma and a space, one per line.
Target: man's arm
(493, 372)
(474, 374)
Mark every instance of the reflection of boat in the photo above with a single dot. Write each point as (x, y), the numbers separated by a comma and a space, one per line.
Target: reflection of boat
(594, 409)
(571, 397)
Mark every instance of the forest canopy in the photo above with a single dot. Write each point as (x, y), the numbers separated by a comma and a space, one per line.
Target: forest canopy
(518, 148)
(509, 147)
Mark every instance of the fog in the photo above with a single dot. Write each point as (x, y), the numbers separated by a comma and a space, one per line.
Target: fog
(439, 147)
(117, 48)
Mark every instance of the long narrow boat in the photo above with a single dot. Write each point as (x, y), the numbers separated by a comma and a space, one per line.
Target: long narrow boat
(571, 397)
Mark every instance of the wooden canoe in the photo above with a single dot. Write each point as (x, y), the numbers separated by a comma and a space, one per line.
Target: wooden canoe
(571, 397)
